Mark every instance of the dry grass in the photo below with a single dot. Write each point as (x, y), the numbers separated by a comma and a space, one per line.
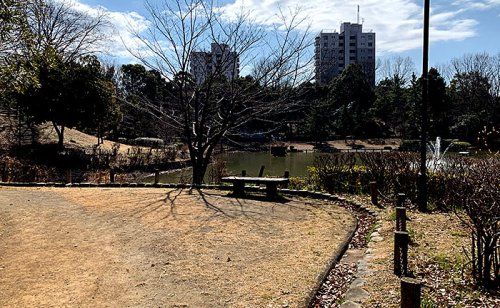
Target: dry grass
(169, 248)
(436, 255)
(76, 139)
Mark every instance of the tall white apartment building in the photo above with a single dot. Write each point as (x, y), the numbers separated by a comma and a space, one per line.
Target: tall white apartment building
(334, 51)
(220, 61)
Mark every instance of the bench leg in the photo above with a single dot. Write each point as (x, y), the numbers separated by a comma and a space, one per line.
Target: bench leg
(271, 190)
(239, 188)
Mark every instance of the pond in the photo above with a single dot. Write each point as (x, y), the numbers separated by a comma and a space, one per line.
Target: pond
(296, 163)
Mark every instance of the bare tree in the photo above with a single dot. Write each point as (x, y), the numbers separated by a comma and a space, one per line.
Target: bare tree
(484, 64)
(60, 33)
(59, 27)
(474, 195)
(397, 67)
(202, 110)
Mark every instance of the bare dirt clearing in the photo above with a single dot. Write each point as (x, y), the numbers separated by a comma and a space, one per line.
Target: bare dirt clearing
(157, 247)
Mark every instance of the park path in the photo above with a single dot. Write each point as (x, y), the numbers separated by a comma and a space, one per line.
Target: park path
(56, 253)
(105, 247)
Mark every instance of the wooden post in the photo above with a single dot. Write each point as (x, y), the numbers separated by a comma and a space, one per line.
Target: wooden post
(157, 176)
(410, 292)
(238, 188)
(400, 219)
(374, 193)
(401, 240)
(261, 171)
(400, 200)
(68, 176)
(4, 173)
(271, 191)
(243, 173)
(111, 176)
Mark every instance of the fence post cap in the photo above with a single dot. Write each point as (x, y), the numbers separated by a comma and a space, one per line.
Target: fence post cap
(410, 280)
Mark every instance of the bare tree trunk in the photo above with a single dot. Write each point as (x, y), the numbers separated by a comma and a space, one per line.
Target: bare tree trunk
(199, 170)
(60, 135)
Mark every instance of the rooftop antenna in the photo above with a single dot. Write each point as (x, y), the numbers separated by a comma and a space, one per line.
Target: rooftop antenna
(358, 15)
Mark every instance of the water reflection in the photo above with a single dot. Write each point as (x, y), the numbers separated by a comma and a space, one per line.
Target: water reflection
(296, 163)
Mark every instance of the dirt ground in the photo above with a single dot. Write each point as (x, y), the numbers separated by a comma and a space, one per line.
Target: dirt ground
(342, 145)
(164, 248)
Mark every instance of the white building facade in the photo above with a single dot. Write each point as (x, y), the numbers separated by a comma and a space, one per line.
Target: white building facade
(335, 51)
(220, 61)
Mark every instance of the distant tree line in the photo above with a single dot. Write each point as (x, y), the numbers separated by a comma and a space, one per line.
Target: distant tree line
(50, 72)
(460, 107)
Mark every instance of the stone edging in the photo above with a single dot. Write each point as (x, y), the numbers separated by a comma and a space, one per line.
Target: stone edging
(336, 257)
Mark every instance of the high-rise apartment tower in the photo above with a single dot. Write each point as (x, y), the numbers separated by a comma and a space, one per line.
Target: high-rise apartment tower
(219, 61)
(334, 51)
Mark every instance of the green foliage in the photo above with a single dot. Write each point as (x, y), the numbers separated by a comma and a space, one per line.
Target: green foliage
(74, 94)
(350, 98)
(471, 92)
(143, 92)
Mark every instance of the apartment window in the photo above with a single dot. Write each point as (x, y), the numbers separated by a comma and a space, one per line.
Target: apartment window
(352, 37)
(341, 44)
(352, 51)
(325, 44)
(352, 44)
(352, 58)
(370, 44)
(341, 65)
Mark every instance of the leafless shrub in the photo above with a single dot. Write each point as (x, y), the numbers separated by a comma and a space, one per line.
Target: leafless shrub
(217, 171)
(473, 192)
(15, 170)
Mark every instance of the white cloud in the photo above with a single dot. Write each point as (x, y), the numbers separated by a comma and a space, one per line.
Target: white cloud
(120, 38)
(476, 5)
(397, 23)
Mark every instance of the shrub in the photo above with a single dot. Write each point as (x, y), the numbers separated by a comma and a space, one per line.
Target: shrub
(217, 170)
(410, 146)
(148, 142)
(474, 192)
(16, 170)
(460, 146)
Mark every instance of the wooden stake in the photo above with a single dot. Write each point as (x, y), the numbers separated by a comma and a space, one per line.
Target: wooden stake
(401, 240)
(68, 176)
(157, 176)
(410, 292)
(400, 219)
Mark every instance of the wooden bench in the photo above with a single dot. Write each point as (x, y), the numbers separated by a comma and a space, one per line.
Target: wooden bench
(271, 184)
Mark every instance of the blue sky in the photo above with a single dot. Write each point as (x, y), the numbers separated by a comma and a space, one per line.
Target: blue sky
(457, 26)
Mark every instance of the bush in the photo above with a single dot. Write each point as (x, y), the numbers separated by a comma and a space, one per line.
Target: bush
(148, 142)
(217, 170)
(473, 191)
(460, 146)
(16, 170)
(410, 146)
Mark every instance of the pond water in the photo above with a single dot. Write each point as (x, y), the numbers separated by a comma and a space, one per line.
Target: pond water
(296, 163)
